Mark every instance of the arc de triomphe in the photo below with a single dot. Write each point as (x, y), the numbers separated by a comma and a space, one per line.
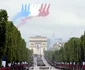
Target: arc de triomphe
(38, 44)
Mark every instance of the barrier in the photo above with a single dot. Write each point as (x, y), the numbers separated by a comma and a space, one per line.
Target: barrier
(65, 65)
(15, 67)
(5, 68)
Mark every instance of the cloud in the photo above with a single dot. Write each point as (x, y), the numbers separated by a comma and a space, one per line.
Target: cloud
(69, 18)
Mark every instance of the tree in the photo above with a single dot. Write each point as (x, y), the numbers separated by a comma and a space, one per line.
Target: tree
(12, 46)
(3, 21)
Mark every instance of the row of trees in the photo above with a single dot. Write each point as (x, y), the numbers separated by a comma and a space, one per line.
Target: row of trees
(73, 51)
(12, 46)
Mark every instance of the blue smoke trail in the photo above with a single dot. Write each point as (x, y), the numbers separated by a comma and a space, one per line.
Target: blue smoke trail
(25, 11)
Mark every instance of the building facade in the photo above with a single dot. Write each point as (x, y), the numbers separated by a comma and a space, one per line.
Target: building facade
(57, 46)
(38, 44)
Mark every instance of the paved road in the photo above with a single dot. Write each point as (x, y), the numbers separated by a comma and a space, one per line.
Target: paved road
(46, 63)
(47, 67)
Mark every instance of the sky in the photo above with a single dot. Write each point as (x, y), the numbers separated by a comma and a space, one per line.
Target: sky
(66, 18)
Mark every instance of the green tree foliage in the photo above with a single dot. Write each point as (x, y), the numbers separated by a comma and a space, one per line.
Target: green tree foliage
(3, 21)
(73, 51)
(15, 46)
(83, 47)
(12, 46)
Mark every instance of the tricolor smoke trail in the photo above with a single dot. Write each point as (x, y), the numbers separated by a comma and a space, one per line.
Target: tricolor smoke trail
(30, 11)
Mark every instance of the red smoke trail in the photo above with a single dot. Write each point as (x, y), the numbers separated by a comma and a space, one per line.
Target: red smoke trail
(44, 11)
(44, 7)
(41, 8)
(24, 20)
